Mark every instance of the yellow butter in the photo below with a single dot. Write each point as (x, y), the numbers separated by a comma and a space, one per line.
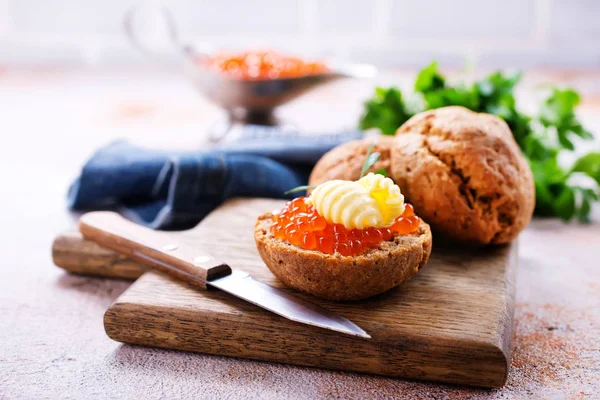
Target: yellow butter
(387, 195)
(372, 201)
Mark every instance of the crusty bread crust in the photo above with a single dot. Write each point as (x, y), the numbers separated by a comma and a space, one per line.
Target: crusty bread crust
(346, 160)
(464, 174)
(336, 277)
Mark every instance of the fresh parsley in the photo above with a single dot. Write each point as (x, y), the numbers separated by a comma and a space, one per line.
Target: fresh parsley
(542, 137)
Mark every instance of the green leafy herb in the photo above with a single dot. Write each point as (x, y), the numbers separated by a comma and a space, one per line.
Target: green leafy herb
(382, 171)
(589, 165)
(386, 111)
(299, 189)
(541, 137)
(370, 159)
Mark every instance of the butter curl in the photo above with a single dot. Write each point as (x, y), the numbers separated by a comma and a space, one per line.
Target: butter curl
(372, 201)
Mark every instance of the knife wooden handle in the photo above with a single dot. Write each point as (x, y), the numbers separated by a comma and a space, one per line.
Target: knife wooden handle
(156, 249)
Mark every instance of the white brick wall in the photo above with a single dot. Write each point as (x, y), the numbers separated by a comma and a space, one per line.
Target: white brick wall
(462, 19)
(491, 33)
(345, 17)
(574, 21)
(235, 17)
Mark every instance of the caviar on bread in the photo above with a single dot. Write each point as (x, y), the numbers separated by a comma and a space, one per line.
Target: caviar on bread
(347, 241)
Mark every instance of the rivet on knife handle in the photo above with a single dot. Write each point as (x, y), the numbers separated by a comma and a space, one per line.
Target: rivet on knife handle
(157, 249)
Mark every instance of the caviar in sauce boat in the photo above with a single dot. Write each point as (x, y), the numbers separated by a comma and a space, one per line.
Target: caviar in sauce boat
(261, 65)
(346, 217)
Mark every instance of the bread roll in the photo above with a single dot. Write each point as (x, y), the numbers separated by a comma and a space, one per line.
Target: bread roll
(464, 174)
(337, 277)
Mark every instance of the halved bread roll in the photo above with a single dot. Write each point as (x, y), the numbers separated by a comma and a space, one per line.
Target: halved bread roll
(337, 277)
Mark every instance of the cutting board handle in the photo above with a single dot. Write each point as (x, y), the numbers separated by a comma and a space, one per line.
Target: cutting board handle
(159, 250)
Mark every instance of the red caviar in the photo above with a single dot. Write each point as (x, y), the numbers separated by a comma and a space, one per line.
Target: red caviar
(300, 224)
(260, 65)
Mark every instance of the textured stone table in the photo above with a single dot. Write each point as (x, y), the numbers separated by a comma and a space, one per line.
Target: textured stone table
(52, 342)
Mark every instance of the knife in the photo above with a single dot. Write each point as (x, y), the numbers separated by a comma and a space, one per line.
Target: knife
(200, 269)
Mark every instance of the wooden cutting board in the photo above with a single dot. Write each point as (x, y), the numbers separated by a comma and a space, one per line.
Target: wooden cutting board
(451, 323)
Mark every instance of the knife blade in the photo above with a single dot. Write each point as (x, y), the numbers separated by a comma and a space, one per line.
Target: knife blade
(200, 269)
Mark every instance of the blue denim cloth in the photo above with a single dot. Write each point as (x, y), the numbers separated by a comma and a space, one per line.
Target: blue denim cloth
(175, 190)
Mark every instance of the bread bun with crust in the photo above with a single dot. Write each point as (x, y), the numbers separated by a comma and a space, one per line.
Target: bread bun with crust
(464, 174)
(337, 277)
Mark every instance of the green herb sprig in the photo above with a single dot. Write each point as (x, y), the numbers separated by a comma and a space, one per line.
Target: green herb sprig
(370, 159)
(541, 137)
(299, 189)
